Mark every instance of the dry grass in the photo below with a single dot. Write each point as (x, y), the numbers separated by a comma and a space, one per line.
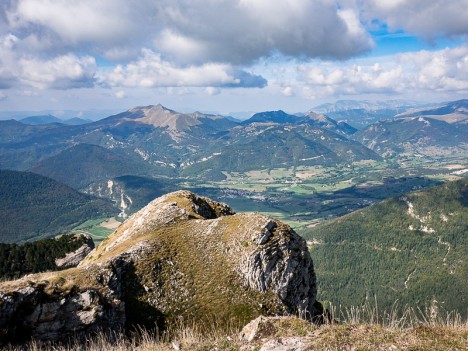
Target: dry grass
(398, 318)
(413, 331)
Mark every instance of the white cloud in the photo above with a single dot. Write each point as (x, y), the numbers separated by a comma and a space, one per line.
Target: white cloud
(193, 31)
(63, 72)
(75, 21)
(151, 71)
(444, 71)
(245, 30)
(3, 96)
(426, 18)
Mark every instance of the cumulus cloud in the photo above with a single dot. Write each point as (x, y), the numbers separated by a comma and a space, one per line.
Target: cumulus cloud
(63, 72)
(7, 61)
(242, 31)
(426, 18)
(444, 71)
(196, 31)
(208, 43)
(101, 21)
(151, 71)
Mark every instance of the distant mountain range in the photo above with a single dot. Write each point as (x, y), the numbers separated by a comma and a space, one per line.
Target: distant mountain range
(421, 135)
(362, 113)
(311, 118)
(408, 251)
(455, 112)
(46, 119)
(346, 105)
(156, 141)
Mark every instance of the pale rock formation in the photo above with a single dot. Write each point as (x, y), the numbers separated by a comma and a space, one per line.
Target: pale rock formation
(72, 259)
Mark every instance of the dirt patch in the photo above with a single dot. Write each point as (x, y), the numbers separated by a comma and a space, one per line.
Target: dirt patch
(111, 223)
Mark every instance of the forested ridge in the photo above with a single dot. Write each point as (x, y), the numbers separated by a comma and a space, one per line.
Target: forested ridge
(410, 250)
(34, 207)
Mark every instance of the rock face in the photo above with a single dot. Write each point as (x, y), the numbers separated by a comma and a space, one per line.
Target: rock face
(35, 313)
(182, 257)
(74, 258)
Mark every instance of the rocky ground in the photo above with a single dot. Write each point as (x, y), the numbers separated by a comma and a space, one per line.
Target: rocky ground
(287, 334)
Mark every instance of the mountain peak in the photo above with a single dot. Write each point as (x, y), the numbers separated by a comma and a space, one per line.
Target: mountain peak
(160, 116)
(278, 116)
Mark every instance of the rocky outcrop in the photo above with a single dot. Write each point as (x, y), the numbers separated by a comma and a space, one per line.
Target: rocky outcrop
(182, 258)
(32, 312)
(72, 259)
(281, 263)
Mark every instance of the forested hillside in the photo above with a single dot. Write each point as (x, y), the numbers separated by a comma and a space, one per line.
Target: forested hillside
(410, 250)
(35, 207)
(37, 256)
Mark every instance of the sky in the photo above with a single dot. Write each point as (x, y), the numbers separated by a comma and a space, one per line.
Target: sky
(229, 55)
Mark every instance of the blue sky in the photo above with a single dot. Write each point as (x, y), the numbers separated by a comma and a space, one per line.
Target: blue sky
(229, 55)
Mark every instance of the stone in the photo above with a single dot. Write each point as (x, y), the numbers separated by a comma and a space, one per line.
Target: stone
(250, 331)
(285, 344)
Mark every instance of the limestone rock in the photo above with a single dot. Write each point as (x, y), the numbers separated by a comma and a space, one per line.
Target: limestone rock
(182, 258)
(251, 330)
(293, 343)
(72, 259)
(32, 312)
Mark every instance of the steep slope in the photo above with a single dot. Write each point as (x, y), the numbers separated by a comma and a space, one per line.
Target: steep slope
(131, 193)
(271, 145)
(413, 134)
(411, 250)
(182, 259)
(35, 207)
(83, 164)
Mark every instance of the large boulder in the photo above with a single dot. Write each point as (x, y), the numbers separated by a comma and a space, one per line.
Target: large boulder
(181, 258)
